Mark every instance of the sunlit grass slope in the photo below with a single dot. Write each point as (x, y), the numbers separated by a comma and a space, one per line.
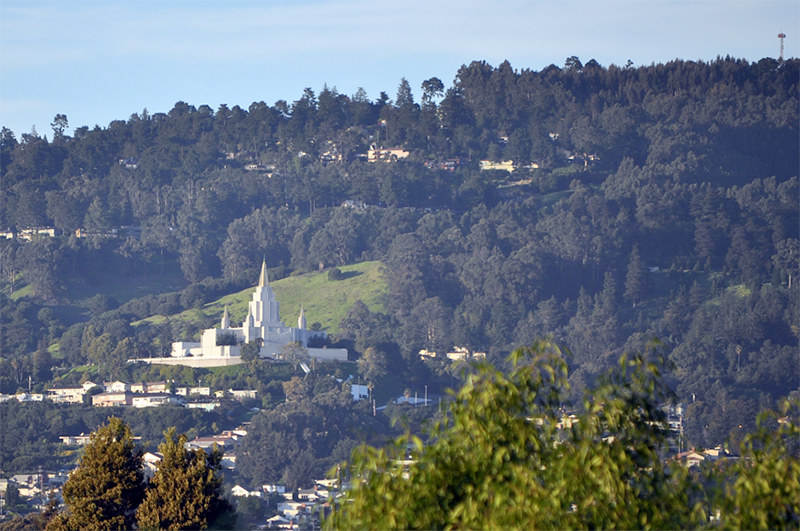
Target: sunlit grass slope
(325, 301)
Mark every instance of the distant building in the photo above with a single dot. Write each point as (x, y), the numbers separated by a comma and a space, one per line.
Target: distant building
(112, 399)
(376, 154)
(222, 346)
(359, 392)
(153, 400)
(503, 165)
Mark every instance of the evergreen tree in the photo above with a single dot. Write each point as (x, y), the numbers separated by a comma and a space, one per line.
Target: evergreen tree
(636, 278)
(106, 488)
(186, 490)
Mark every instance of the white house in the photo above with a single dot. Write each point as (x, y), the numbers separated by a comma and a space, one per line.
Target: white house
(116, 387)
(153, 399)
(238, 490)
(359, 391)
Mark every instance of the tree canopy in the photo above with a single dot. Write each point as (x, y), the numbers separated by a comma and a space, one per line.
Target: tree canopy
(186, 490)
(507, 456)
(107, 487)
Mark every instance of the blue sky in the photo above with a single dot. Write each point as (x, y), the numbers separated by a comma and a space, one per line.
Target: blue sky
(97, 61)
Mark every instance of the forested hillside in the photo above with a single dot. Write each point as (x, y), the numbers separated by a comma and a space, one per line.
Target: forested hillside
(646, 202)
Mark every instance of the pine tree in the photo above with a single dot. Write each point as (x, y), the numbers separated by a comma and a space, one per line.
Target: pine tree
(636, 278)
(186, 490)
(107, 487)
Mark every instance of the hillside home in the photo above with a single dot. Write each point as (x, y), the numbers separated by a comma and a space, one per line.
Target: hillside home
(279, 522)
(150, 462)
(375, 154)
(222, 441)
(690, 458)
(29, 397)
(359, 391)
(503, 165)
(75, 440)
(36, 232)
(149, 387)
(153, 400)
(112, 399)
(240, 491)
(206, 406)
(228, 461)
(116, 386)
(69, 395)
(193, 391)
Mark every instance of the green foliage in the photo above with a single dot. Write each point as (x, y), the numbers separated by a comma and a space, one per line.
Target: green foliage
(335, 274)
(506, 456)
(106, 488)
(373, 364)
(502, 460)
(186, 490)
(762, 489)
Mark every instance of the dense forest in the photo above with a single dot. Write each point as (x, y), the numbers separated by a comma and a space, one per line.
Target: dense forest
(646, 202)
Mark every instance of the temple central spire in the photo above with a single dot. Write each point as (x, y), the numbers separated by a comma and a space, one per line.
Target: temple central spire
(263, 281)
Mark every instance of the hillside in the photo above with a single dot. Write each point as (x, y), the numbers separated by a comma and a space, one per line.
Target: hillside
(600, 206)
(325, 301)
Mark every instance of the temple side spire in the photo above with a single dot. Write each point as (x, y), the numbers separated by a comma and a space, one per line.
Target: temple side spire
(226, 319)
(263, 280)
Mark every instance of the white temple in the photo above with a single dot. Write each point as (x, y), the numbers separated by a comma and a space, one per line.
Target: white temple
(222, 346)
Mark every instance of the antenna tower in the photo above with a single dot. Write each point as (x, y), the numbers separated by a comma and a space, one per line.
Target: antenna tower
(781, 36)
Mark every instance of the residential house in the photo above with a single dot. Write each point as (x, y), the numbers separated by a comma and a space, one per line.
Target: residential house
(193, 391)
(359, 391)
(228, 461)
(116, 386)
(241, 394)
(291, 509)
(112, 399)
(96, 233)
(237, 394)
(75, 440)
(280, 522)
(66, 395)
(458, 353)
(269, 489)
(29, 397)
(308, 495)
(691, 458)
(375, 154)
(238, 491)
(29, 234)
(69, 395)
(503, 165)
(150, 462)
(206, 406)
(446, 165)
(153, 399)
(223, 441)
